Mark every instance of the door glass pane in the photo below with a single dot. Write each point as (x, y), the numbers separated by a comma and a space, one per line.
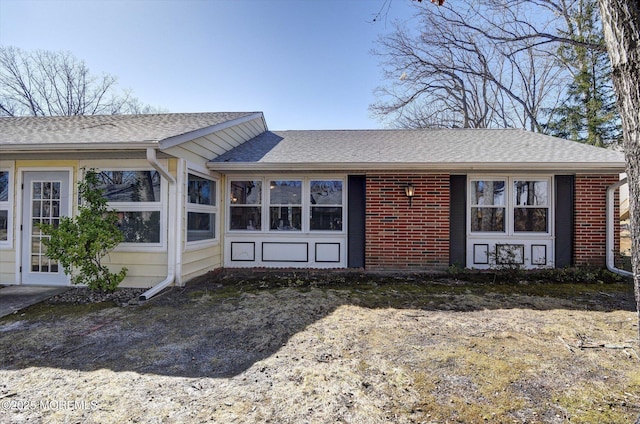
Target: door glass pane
(45, 209)
(37, 191)
(36, 210)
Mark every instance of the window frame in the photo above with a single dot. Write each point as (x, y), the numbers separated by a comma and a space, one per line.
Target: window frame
(341, 205)
(8, 206)
(202, 208)
(504, 206)
(510, 206)
(285, 205)
(546, 206)
(156, 206)
(265, 204)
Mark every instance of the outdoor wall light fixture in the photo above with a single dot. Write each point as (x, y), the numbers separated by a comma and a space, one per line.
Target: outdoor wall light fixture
(410, 191)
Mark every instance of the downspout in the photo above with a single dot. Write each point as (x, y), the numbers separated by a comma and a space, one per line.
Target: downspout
(171, 231)
(611, 219)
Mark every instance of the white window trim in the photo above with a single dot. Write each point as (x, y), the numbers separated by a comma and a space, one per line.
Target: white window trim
(194, 207)
(304, 195)
(9, 206)
(306, 203)
(160, 206)
(510, 206)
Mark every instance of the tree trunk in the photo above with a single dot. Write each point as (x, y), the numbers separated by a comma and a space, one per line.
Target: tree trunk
(621, 24)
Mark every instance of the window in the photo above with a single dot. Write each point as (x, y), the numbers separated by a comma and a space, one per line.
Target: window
(294, 205)
(135, 195)
(531, 206)
(285, 205)
(201, 208)
(246, 205)
(488, 206)
(326, 205)
(510, 205)
(4, 206)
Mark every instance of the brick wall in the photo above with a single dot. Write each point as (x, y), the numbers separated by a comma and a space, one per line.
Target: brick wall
(590, 219)
(399, 236)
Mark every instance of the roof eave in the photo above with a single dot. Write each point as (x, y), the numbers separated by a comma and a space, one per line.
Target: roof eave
(571, 167)
(201, 132)
(73, 147)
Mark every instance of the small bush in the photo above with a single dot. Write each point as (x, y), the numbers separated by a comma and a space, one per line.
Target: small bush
(79, 243)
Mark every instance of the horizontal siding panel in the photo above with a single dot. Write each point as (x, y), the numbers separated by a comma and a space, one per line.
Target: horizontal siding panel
(198, 262)
(141, 282)
(197, 255)
(133, 258)
(143, 270)
(7, 267)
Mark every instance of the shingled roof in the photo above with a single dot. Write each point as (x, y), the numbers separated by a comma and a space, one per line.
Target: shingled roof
(89, 131)
(486, 149)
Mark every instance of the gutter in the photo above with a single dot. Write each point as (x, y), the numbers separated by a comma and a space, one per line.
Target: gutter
(171, 233)
(611, 219)
(229, 167)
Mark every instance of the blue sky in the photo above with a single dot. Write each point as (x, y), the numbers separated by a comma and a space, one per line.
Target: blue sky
(305, 63)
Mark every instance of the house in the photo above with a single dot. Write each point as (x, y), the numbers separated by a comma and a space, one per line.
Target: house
(200, 191)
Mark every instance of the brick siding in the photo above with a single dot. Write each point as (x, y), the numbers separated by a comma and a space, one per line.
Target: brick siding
(399, 236)
(590, 219)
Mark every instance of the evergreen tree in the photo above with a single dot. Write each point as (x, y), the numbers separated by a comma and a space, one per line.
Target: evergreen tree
(588, 113)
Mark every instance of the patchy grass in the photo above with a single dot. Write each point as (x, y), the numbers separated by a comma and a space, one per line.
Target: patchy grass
(332, 348)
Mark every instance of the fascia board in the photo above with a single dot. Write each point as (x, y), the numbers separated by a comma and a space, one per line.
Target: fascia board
(74, 147)
(192, 135)
(614, 167)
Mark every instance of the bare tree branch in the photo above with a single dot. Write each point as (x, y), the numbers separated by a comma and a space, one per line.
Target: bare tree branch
(56, 83)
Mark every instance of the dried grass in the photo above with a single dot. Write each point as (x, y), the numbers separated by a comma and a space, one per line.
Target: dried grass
(398, 352)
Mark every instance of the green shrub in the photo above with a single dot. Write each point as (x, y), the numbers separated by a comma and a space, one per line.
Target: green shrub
(79, 243)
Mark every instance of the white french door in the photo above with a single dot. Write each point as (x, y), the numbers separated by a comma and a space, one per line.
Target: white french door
(45, 199)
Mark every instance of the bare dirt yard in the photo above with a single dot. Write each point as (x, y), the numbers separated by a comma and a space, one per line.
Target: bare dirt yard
(320, 349)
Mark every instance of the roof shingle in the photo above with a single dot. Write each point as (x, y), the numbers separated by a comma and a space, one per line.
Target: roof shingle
(98, 129)
(415, 146)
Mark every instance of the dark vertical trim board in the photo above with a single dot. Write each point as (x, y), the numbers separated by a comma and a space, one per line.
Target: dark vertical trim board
(458, 220)
(564, 220)
(356, 215)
